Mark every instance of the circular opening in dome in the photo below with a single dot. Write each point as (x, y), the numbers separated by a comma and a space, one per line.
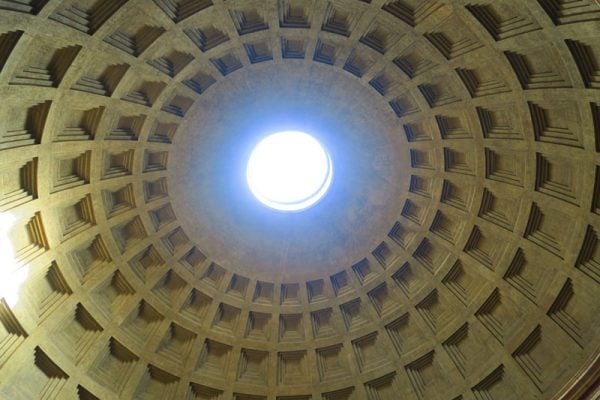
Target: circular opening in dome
(289, 171)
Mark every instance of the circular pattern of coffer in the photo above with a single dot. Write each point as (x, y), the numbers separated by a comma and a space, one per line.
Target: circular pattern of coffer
(455, 257)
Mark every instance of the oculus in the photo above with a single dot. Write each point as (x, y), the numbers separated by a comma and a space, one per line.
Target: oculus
(289, 171)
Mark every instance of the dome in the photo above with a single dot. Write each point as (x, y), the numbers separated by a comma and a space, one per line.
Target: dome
(453, 256)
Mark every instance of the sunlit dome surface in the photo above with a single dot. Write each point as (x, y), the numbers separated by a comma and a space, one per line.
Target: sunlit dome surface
(289, 171)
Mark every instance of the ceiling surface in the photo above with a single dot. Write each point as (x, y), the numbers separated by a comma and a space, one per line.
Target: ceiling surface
(455, 256)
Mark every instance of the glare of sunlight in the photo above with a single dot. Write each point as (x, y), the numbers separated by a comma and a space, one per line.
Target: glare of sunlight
(12, 275)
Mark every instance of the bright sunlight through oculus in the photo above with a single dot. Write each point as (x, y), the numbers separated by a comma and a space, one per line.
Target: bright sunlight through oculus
(289, 171)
